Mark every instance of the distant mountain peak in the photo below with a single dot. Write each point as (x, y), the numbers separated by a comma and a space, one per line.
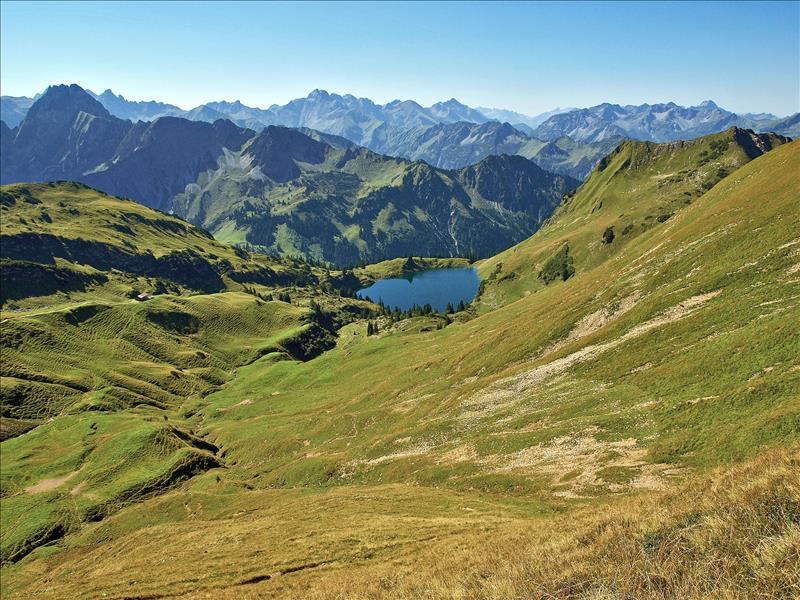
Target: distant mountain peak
(69, 99)
(653, 122)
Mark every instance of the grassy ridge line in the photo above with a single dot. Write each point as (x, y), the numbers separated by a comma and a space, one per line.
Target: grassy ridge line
(64, 243)
(637, 188)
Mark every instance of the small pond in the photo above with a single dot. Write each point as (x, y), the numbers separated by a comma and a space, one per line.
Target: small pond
(436, 287)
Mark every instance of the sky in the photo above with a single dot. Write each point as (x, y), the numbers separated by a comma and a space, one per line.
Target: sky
(528, 57)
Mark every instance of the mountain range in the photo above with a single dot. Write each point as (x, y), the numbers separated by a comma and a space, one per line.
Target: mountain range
(357, 118)
(283, 190)
(455, 145)
(654, 122)
(400, 128)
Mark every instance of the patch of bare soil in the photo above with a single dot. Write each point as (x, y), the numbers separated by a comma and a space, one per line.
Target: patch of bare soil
(578, 461)
(516, 385)
(48, 485)
(596, 321)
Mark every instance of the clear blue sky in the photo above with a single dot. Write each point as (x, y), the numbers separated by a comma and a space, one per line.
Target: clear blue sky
(527, 57)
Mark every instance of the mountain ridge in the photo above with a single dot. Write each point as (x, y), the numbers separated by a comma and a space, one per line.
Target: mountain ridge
(651, 122)
(299, 112)
(267, 188)
(407, 129)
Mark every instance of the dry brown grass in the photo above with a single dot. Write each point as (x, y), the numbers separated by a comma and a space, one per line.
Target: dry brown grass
(733, 534)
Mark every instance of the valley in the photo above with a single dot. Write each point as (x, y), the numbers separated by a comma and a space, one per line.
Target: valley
(506, 308)
(637, 389)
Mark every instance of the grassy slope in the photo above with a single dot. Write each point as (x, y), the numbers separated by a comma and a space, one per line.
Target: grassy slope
(130, 245)
(672, 354)
(635, 189)
(109, 382)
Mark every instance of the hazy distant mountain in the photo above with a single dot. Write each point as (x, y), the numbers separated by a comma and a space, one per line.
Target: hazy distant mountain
(118, 106)
(286, 191)
(455, 145)
(204, 113)
(790, 126)
(452, 145)
(244, 116)
(407, 113)
(13, 109)
(358, 119)
(518, 119)
(652, 122)
(452, 111)
(760, 116)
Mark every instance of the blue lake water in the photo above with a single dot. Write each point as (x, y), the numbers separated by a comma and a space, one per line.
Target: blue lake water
(436, 287)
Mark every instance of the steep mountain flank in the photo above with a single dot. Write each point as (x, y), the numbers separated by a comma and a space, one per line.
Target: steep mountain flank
(157, 160)
(639, 187)
(289, 194)
(65, 133)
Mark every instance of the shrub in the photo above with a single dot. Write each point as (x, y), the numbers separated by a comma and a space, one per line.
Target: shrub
(558, 266)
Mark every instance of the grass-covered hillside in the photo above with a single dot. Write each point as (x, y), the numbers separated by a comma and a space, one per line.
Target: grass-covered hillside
(115, 318)
(638, 188)
(63, 239)
(630, 431)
